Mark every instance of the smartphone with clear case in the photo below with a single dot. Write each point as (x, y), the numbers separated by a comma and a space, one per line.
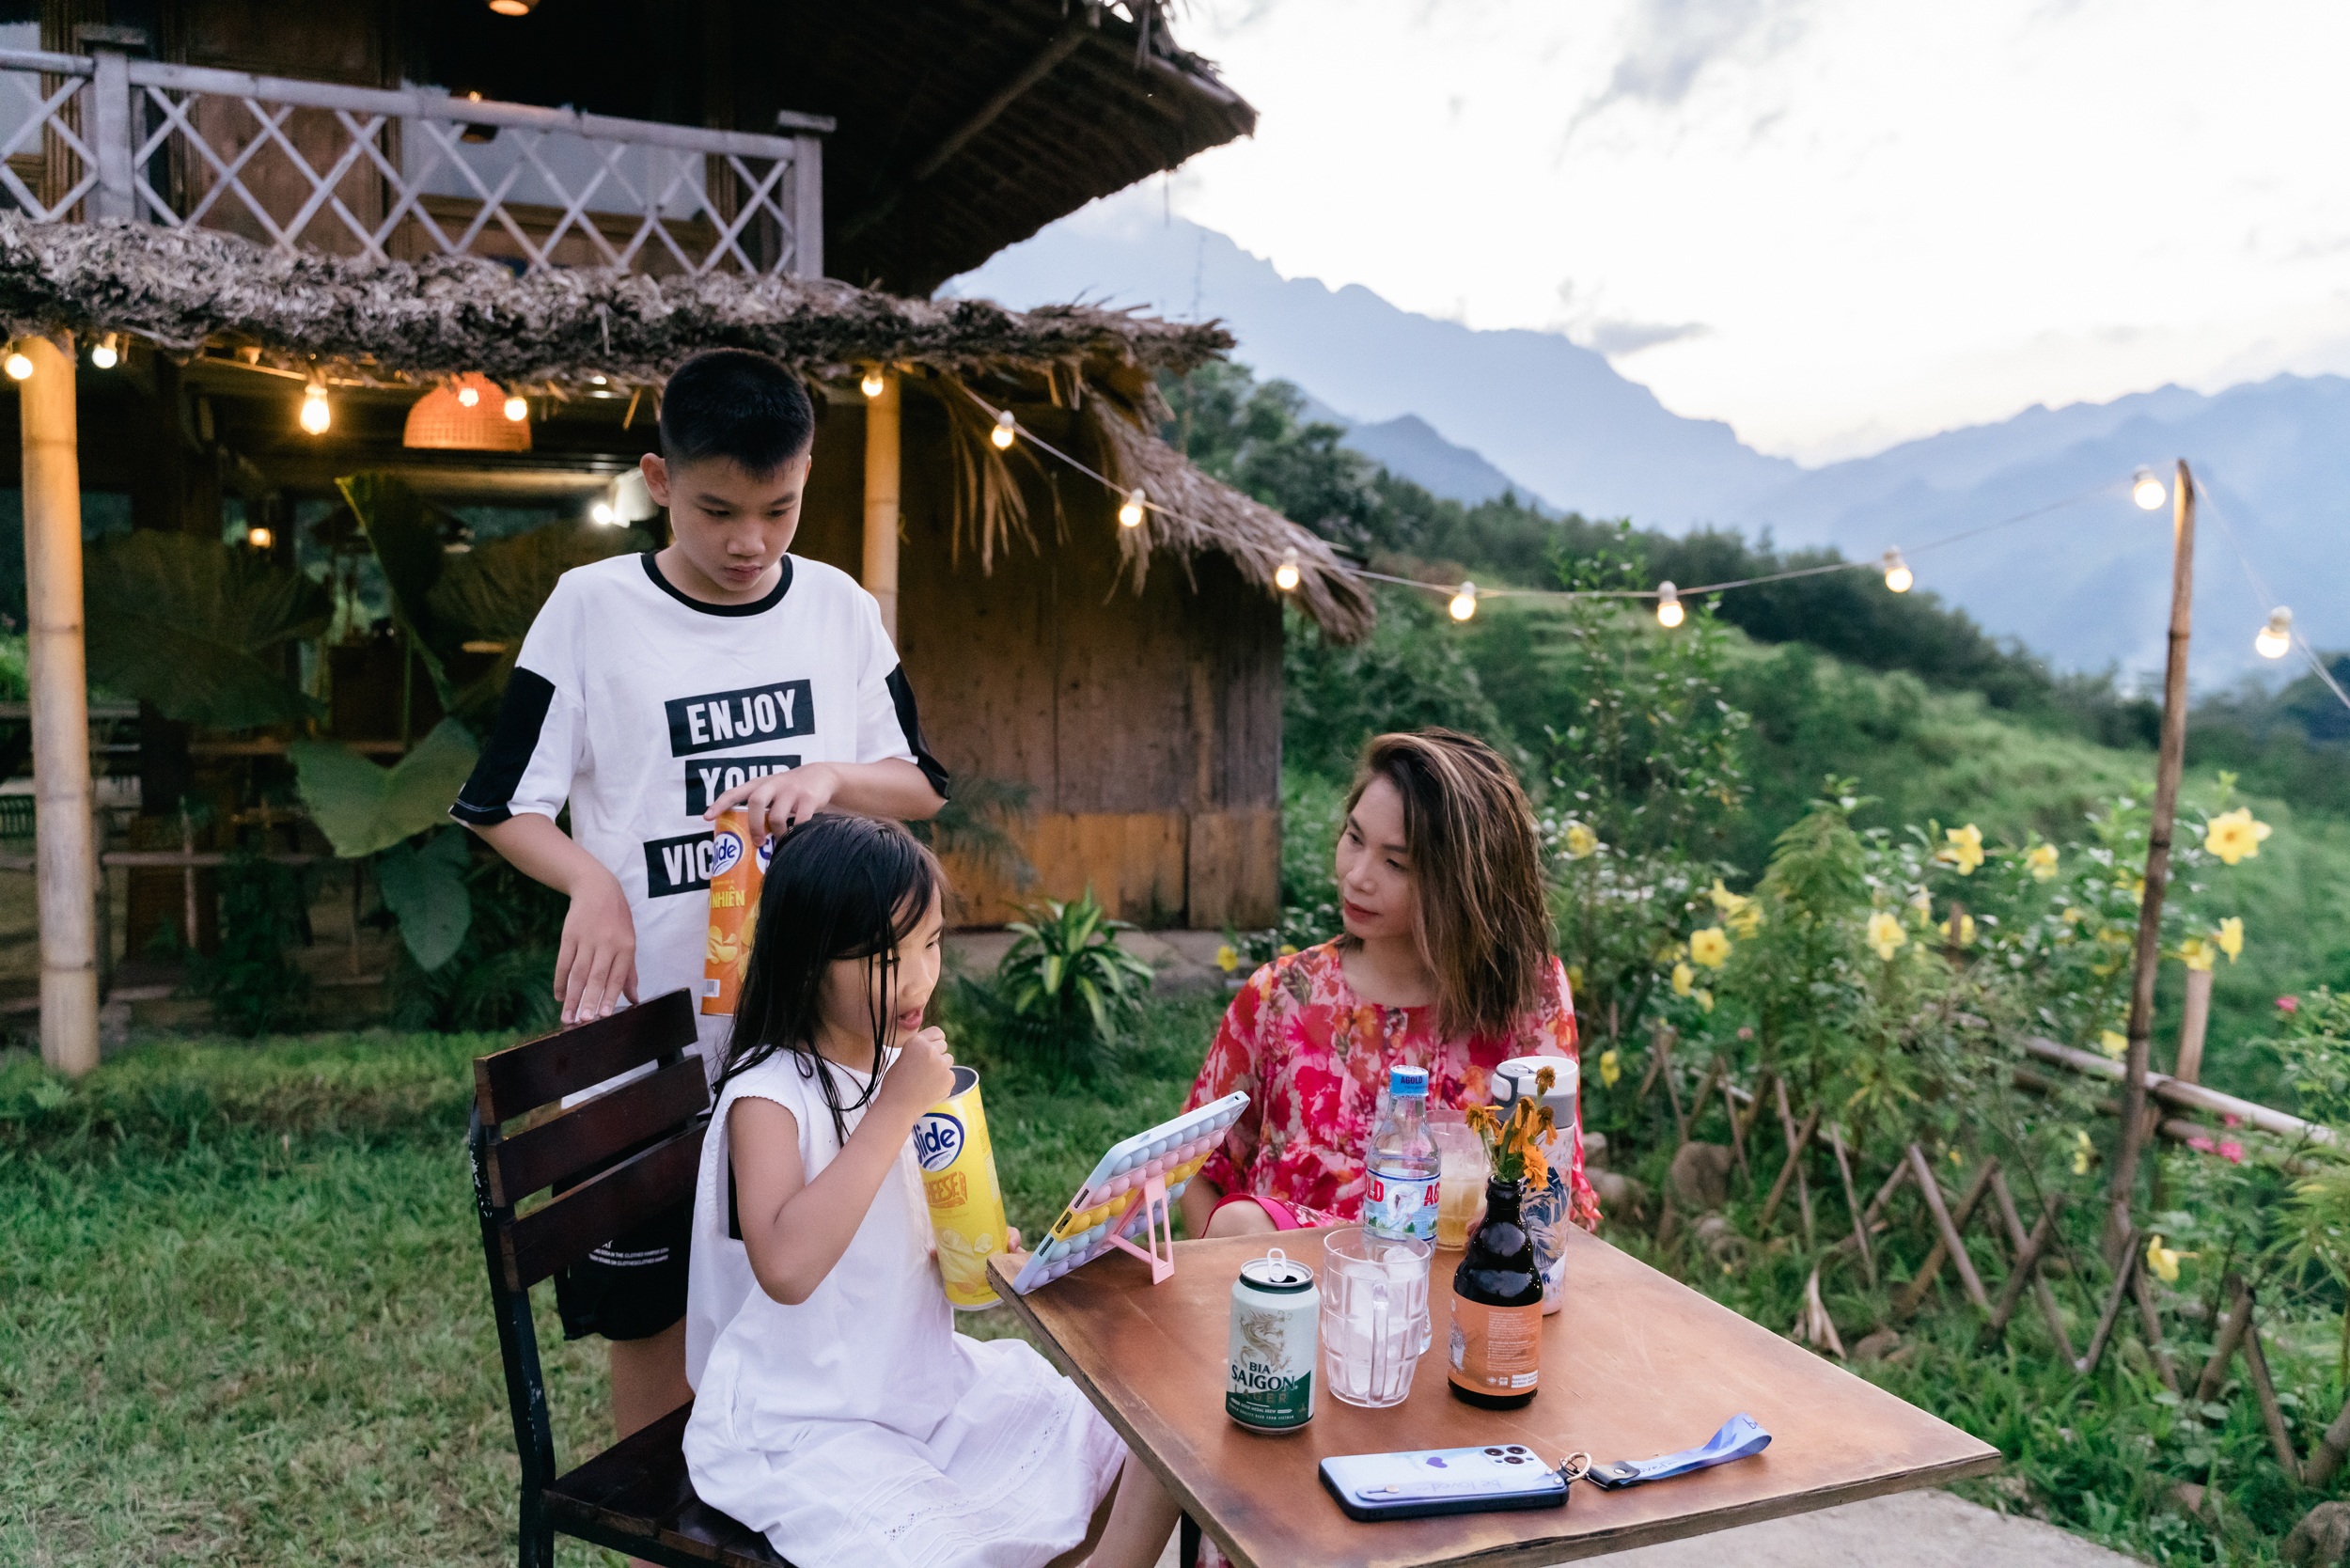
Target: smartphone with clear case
(1422, 1482)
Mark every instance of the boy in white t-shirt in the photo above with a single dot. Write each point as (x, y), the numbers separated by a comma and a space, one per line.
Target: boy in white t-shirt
(654, 692)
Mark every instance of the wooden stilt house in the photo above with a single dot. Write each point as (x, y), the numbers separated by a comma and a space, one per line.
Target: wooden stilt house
(250, 256)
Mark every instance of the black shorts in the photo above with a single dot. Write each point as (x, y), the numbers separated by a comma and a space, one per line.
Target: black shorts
(632, 1285)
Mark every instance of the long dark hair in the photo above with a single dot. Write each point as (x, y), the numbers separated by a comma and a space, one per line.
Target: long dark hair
(838, 887)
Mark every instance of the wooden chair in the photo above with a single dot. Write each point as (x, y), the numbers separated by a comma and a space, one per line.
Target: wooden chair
(634, 1497)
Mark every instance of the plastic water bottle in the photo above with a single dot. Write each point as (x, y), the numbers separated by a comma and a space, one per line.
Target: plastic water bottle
(1400, 1166)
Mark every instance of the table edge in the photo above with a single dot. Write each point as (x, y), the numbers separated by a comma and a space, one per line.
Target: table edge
(1529, 1555)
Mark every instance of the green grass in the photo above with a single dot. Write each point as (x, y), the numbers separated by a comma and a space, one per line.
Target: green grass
(243, 1311)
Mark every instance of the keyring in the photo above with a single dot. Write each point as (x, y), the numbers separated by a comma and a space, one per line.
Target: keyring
(1575, 1467)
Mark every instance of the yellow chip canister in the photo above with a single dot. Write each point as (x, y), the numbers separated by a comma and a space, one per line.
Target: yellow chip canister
(958, 1163)
(736, 876)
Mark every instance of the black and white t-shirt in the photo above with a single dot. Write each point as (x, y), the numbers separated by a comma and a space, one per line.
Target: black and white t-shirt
(640, 706)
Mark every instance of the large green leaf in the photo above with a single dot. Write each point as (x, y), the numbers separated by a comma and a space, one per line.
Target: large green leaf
(425, 890)
(198, 629)
(487, 594)
(361, 808)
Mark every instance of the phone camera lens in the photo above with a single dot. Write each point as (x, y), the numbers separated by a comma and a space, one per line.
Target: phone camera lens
(1496, 1453)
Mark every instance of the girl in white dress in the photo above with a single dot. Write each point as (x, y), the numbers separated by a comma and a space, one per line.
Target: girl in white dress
(835, 1409)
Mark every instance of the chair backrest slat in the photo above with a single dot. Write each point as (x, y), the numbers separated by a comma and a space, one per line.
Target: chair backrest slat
(589, 1133)
(528, 1075)
(571, 1227)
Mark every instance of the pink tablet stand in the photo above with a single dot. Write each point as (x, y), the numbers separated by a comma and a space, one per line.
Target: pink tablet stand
(1158, 1230)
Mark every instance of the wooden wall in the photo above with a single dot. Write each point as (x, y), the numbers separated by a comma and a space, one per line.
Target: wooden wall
(1149, 727)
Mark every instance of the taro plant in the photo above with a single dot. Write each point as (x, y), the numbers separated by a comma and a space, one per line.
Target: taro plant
(1067, 994)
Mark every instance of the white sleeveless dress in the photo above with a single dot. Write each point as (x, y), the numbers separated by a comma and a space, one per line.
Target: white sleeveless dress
(858, 1429)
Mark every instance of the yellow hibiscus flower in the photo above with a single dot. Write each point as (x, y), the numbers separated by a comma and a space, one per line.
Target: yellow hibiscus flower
(1963, 850)
(1705, 1000)
(2234, 836)
(1886, 935)
(2115, 1046)
(1685, 979)
(1710, 947)
(2198, 953)
(1966, 930)
(2084, 1153)
(1226, 959)
(2231, 937)
(2041, 858)
(1610, 1068)
(1581, 841)
(2164, 1260)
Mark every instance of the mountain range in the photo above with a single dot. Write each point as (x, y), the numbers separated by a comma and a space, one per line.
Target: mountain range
(2072, 569)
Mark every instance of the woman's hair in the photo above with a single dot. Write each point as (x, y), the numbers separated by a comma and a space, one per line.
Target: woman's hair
(838, 887)
(1480, 916)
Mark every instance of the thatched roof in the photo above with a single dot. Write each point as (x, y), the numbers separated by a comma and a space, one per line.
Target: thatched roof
(189, 291)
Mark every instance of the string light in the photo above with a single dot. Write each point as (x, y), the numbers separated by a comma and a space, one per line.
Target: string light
(1464, 602)
(1130, 514)
(872, 383)
(261, 539)
(468, 394)
(1897, 573)
(1005, 427)
(1286, 575)
(517, 408)
(603, 514)
(316, 416)
(19, 366)
(2275, 638)
(512, 7)
(2147, 490)
(1668, 611)
(105, 354)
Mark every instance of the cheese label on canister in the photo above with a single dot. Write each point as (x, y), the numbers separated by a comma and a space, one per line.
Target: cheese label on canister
(957, 1161)
(736, 876)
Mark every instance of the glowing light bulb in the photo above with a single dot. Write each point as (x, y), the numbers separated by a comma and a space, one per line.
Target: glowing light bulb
(595, 381)
(316, 416)
(511, 8)
(1130, 514)
(1006, 428)
(1286, 575)
(2275, 638)
(261, 539)
(517, 408)
(468, 396)
(18, 365)
(872, 383)
(1669, 610)
(2147, 490)
(1897, 573)
(106, 355)
(1464, 602)
(602, 513)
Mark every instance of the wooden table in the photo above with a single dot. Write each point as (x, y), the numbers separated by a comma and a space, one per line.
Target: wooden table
(1636, 1365)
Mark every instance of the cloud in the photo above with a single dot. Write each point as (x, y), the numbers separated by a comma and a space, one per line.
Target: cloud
(1618, 339)
(1669, 43)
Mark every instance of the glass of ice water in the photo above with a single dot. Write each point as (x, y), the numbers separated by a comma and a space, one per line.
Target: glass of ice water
(1375, 1307)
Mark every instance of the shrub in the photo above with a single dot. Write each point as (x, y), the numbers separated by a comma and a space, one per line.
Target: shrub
(1067, 994)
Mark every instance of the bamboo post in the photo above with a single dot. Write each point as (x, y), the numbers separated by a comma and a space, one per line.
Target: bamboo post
(1852, 1203)
(2025, 1271)
(2170, 760)
(65, 829)
(2223, 1349)
(1791, 1166)
(1950, 1245)
(2326, 1457)
(1737, 1133)
(882, 471)
(2192, 1026)
(2151, 1320)
(1796, 1141)
(2256, 1363)
(2128, 1266)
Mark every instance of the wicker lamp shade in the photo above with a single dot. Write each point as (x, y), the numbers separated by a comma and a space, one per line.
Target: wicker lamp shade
(441, 420)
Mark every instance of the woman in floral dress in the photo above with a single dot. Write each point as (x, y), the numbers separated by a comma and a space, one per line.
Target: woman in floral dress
(1445, 964)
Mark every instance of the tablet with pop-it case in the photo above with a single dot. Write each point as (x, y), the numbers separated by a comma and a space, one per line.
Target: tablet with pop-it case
(1110, 1207)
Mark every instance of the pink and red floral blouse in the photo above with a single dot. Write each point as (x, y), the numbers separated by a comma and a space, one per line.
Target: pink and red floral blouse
(1312, 1055)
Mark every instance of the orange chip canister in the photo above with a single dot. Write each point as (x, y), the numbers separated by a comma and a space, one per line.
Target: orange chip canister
(736, 875)
(958, 1163)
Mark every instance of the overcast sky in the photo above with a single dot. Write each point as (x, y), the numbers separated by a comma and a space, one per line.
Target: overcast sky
(1835, 223)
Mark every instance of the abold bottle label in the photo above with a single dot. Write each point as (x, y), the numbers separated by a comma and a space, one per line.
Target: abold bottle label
(1496, 1349)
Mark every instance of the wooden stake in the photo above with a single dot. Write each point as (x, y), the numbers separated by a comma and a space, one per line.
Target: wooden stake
(2151, 1320)
(2256, 1363)
(881, 500)
(1812, 1323)
(2327, 1457)
(1851, 1203)
(2170, 760)
(1705, 1092)
(1796, 1139)
(1799, 1140)
(65, 829)
(2192, 1024)
(2087, 1365)
(1737, 1133)
(1952, 1244)
(2223, 1349)
(2025, 1272)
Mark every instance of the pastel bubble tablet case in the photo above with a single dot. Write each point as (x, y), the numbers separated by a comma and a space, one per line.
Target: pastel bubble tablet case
(1133, 1186)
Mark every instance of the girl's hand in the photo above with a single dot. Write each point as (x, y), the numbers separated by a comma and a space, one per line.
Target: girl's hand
(923, 1074)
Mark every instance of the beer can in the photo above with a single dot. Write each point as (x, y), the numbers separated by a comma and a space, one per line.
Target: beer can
(958, 1163)
(737, 872)
(1276, 1331)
